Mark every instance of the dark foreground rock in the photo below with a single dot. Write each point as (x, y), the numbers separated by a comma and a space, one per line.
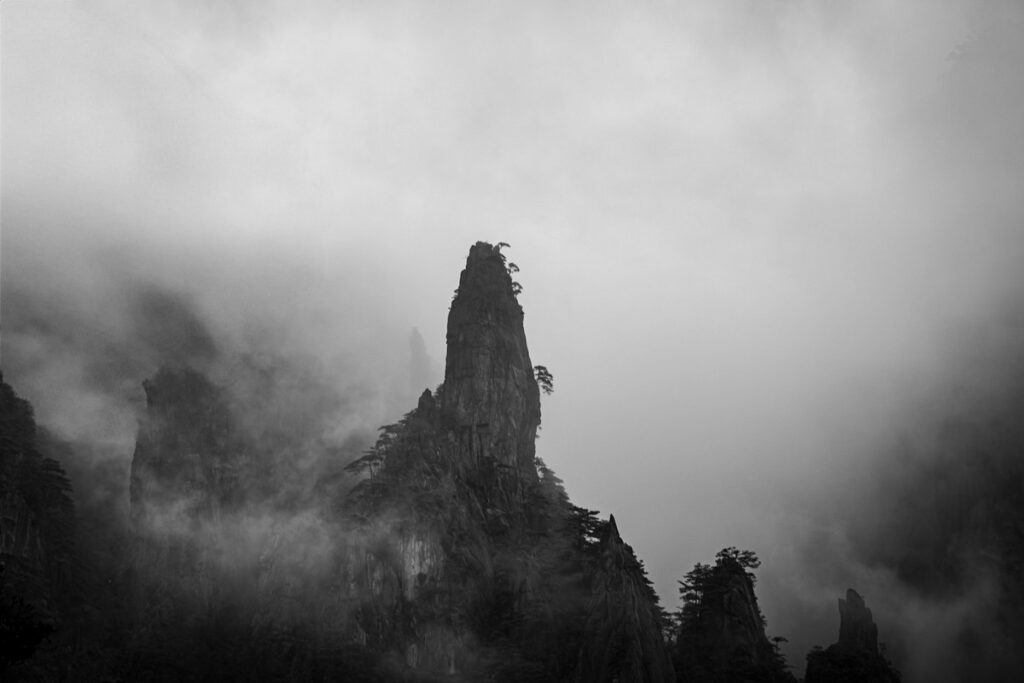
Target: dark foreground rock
(722, 636)
(447, 551)
(855, 657)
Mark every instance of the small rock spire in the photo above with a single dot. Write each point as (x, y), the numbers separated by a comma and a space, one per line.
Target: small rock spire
(857, 629)
(612, 537)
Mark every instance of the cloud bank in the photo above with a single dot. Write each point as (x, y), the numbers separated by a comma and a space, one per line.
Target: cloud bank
(757, 239)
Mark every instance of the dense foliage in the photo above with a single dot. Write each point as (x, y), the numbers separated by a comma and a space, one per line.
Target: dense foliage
(719, 634)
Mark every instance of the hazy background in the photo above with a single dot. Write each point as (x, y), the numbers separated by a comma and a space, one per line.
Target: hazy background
(760, 241)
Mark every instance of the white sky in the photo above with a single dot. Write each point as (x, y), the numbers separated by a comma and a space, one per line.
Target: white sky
(743, 230)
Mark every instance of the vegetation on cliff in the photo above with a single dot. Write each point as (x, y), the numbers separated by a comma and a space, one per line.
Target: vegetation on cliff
(258, 547)
(37, 534)
(720, 634)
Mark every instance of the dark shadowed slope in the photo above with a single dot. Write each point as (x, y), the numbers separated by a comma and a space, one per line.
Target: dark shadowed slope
(37, 529)
(855, 657)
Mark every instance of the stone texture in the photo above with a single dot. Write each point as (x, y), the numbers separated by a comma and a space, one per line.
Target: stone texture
(623, 634)
(857, 629)
(462, 547)
(186, 460)
(727, 640)
(451, 558)
(38, 563)
(37, 516)
(490, 395)
(448, 484)
(855, 658)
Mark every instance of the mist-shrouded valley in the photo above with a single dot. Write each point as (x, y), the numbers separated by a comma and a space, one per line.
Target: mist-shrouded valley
(512, 342)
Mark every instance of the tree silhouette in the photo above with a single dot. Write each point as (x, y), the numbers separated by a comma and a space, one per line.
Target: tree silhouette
(745, 558)
(544, 379)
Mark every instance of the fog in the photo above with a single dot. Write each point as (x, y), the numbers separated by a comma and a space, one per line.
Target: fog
(760, 242)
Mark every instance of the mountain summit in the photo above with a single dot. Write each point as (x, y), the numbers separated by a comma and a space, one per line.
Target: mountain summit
(259, 549)
(855, 657)
(489, 394)
(472, 561)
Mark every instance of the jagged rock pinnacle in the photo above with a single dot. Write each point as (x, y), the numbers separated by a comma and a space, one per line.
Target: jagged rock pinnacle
(857, 629)
(490, 395)
(856, 657)
(185, 447)
(612, 537)
(623, 640)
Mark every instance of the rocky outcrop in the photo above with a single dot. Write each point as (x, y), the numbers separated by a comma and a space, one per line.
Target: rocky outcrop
(857, 629)
(230, 574)
(448, 550)
(37, 523)
(722, 631)
(467, 562)
(445, 494)
(855, 658)
(186, 462)
(622, 640)
(490, 399)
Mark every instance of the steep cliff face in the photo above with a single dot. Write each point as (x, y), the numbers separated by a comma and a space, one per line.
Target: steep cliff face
(186, 460)
(857, 629)
(233, 570)
(475, 565)
(437, 521)
(622, 639)
(855, 658)
(183, 475)
(37, 523)
(456, 555)
(490, 397)
(722, 633)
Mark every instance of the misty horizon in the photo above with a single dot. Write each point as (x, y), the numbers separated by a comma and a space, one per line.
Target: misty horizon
(771, 253)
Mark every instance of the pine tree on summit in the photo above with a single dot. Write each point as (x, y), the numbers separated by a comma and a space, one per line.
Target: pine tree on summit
(720, 634)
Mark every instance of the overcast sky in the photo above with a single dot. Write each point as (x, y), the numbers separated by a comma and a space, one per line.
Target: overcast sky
(748, 230)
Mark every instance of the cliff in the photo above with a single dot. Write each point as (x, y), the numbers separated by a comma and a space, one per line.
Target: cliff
(490, 399)
(622, 640)
(186, 461)
(37, 525)
(855, 657)
(232, 573)
(722, 631)
(476, 565)
(448, 550)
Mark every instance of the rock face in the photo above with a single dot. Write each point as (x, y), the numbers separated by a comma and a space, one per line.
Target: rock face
(855, 658)
(448, 550)
(230, 574)
(490, 397)
(857, 629)
(722, 634)
(186, 455)
(37, 524)
(475, 565)
(622, 639)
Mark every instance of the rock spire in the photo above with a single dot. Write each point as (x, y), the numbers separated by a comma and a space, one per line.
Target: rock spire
(490, 396)
(856, 657)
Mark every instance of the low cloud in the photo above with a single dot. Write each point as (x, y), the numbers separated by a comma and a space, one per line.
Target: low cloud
(757, 240)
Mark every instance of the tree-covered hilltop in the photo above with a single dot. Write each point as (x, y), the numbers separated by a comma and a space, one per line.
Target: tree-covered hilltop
(720, 629)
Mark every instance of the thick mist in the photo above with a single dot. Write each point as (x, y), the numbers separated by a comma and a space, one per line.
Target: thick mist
(771, 252)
